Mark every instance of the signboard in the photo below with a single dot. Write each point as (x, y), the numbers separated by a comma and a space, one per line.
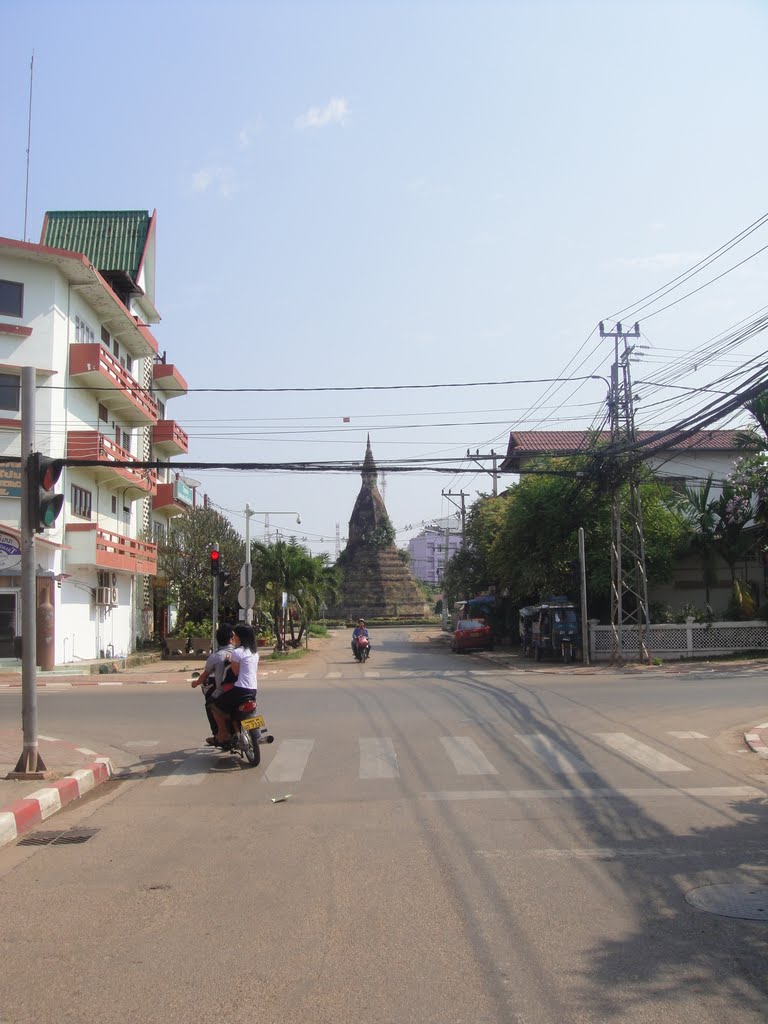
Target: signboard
(10, 552)
(10, 480)
(183, 492)
(246, 596)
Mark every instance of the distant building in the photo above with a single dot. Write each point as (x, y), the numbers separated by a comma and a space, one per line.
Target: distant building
(76, 307)
(428, 551)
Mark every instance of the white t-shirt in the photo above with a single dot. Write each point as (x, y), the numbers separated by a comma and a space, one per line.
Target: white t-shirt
(249, 663)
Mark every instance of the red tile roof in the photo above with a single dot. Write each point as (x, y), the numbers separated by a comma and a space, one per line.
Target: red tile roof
(527, 444)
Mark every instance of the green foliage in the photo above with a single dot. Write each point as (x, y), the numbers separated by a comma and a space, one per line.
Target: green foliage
(185, 563)
(382, 536)
(202, 628)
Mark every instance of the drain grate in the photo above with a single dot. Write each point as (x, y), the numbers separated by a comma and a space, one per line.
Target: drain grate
(61, 837)
(742, 900)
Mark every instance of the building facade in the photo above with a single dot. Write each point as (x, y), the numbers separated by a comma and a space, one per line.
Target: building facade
(78, 306)
(428, 551)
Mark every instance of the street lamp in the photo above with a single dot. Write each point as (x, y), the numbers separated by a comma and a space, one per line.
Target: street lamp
(247, 594)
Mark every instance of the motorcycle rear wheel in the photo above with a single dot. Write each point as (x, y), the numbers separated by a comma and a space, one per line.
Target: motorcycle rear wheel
(251, 747)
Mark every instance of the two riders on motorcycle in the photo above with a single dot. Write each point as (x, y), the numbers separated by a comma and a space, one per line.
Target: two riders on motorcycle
(234, 669)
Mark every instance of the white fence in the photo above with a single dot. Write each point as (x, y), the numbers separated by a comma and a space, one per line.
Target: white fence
(688, 640)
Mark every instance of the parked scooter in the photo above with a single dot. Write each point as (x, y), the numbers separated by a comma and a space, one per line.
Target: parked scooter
(362, 648)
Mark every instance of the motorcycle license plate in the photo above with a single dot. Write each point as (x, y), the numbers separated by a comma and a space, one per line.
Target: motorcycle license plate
(253, 723)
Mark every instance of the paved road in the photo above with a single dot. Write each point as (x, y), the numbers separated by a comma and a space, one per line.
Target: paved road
(463, 844)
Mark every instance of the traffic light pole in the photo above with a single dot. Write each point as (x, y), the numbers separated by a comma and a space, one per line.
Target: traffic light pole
(30, 765)
(215, 614)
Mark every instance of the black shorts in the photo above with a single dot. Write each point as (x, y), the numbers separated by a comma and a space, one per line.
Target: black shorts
(230, 700)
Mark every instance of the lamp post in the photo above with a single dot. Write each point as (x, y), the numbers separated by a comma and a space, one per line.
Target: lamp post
(247, 595)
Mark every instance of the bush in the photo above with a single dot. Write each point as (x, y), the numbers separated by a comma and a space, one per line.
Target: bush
(203, 628)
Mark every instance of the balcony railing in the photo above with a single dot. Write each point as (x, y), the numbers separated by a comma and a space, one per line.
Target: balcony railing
(98, 368)
(173, 498)
(90, 444)
(89, 544)
(169, 437)
(168, 378)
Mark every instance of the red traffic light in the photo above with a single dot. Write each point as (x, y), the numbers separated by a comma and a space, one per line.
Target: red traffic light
(215, 561)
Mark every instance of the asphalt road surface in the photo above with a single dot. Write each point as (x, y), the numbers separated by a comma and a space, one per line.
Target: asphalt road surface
(462, 844)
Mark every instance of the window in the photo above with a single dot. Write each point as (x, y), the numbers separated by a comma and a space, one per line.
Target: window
(81, 502)
(114, 505)
(160, 410)
(10, 392)
(103, 413)
(129, 364)
(83, 331)
(159, 533)
(126, 441)
(105, 336)
(11, 298)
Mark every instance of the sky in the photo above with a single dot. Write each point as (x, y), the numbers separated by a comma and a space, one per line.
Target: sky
(385, 193)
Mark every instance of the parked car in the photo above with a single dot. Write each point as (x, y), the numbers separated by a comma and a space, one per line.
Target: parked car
(472, 634)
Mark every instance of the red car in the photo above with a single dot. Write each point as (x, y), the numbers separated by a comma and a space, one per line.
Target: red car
(472, 634)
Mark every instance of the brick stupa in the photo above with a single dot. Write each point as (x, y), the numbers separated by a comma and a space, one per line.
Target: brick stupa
(376, 582)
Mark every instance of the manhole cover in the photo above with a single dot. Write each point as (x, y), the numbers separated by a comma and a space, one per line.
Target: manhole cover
(737, 899)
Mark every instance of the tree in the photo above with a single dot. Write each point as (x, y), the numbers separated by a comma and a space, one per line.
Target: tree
(185, 562)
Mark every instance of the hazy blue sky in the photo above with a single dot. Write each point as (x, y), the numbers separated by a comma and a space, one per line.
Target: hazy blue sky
(389, 193)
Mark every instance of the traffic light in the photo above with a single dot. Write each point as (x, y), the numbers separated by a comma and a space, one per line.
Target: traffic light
(225, 578)
(215, 562)
(44, 504)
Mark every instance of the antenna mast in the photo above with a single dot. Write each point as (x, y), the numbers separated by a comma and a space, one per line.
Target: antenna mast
(29, 144)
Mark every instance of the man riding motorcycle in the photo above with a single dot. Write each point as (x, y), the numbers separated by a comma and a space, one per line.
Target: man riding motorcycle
(357, 632)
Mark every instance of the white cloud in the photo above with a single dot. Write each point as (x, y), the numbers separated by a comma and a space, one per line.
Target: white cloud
(247, 133)
(336, 111)
(218, 178)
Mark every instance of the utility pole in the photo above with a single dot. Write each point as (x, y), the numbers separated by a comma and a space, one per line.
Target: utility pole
(629, 582)
(450, 495)
(246, 595)
(494, 472)
(215, 570)
(30, 765)
(583, 591)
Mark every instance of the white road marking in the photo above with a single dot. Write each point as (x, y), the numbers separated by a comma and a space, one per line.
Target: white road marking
(554, 755)
(726, 792)
(688, 735)
(467, 758)
(333, 675)
(142, 743)
(85, 750)
(640, 752)
(298, 675)
(289, 762)
(372, 675)
(378, 759)
(51, 739)
(191, 771)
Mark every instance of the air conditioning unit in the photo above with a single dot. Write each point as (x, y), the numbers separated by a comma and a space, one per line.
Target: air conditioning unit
(104, 596)
(114, 602)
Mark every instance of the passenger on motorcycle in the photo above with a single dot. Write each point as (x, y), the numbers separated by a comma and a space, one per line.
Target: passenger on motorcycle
(239, 683)
(212, 676)
(357, 632)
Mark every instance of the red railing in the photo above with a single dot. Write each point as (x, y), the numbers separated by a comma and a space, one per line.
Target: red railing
(94, 358)
(166, 376)
(169, 430)
(113, 550)
(90, 444)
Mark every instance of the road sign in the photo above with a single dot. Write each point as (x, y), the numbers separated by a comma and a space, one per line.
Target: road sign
(245, 597)
(246, 574)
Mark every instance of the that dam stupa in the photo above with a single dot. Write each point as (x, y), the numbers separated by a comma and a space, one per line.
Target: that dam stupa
(376, 582)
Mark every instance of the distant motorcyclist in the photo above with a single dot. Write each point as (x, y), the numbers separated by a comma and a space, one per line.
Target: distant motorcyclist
(358, 632)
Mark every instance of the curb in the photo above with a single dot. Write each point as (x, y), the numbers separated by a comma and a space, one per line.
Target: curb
(64, 684)
(23, 815)
(757, 739)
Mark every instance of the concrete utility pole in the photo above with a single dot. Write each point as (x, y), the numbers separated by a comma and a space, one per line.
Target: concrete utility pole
(450, 495)
(30, 765)
(494, 472)
(629, 582)
(583, 589)
(247, 595)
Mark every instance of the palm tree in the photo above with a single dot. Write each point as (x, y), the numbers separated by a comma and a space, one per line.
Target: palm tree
(755, 436)
(700, 513)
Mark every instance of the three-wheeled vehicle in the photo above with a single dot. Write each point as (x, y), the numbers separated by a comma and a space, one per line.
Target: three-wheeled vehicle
(552, 626)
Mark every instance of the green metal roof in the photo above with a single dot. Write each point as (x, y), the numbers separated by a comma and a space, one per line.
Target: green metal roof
(113, 240)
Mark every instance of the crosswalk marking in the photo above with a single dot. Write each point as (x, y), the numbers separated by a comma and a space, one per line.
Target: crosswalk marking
(467, 758)
(378, 759)
(289, 762)
(334, 675)
(372, 675)
(298, 675)
(191, 771)
(688, 735)
(554, 755)
(714, 792)
(640, 752)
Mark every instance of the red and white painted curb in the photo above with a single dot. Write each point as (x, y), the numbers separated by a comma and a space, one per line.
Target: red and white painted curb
(65, 685)
(23, 815)
(757, 739)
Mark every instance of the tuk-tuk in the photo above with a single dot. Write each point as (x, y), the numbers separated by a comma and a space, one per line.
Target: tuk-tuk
(552, 626)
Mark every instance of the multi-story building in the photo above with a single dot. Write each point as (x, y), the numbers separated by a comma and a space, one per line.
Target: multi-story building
(428, 550)
(77, 307)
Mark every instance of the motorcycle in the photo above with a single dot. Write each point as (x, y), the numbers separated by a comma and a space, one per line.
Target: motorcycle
(247, 731)
(362, 648)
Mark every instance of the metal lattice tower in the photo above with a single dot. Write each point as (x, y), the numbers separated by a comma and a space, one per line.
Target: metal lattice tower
(629, 581)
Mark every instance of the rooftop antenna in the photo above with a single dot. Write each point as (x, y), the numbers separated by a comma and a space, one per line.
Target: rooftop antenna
(29, 144)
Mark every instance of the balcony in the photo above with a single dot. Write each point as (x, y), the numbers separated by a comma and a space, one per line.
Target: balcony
(173, 499)
(91, 364)
(90, 545)
(166, 377)
(90, 444)
(169, 438)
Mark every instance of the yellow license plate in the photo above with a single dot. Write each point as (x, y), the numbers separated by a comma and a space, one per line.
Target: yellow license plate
(253, 723)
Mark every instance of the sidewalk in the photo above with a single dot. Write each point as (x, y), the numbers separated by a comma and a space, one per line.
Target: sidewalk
(24, 804)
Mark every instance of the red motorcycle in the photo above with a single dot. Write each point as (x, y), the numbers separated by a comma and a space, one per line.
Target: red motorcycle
(362, 648)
